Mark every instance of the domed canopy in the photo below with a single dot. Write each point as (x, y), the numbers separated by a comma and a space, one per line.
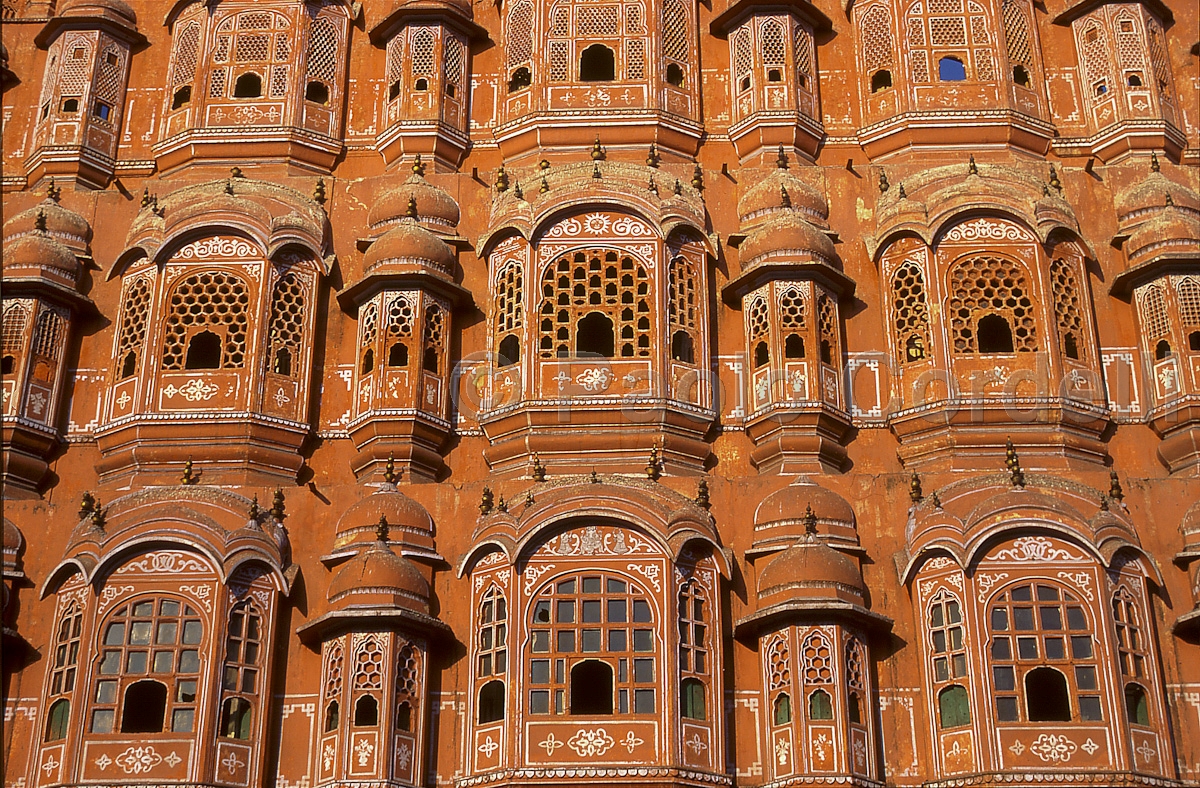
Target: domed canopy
(1171, 232)
(785, 515)
(13, 540)
(409, 242)
(40, 256)
(786, 233)
(379, 578)
(1191, 527)
(61, 224)
(114, 10)
(1155, 192)
(408, 522)
(811, 570)
(782, 191)
(434, 208)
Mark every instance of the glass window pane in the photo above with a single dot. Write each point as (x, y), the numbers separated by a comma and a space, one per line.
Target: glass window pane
(102, 721)
(189, 661)
(164, 661)
(1001, 648)
(1051, 617)
(953, 614)
(641, 611)
(139, 633)
(566, 640)
(1023, 618)
(960, 665)
(1085, 677)
(541, 641)
(591, 611)
(566, 611)
(700, 668)
(615, 586)
(136, 662)
(539, 671)
(539, 701)
(110, 663)
(623, 702)
(169, 607)
(941, 669)
(167, 631)
(591, 585)
(186, 691)
(617, 640)
(617, 611)
(252, 628)
(181, 720)
(1089, 708)
(566, 587)
(1022, 594)
(956, 638)
(1006, 709)
(249, 676)
(1027, 648)
(230, 678)
(1047, 593)
(643, 640)
(485, 638)
(192, 632)
(541, 613)
(486, 612)
(1055, 648)
(1076, 619)
(1004, 678)
(999, 619)
(643, 670)
(643, 701)
(106, 692)
(485, 665)
(1081, 646)
(501, 661)
(143, 609)
(591, 640)
(115, 636)
(936, 618)
(939, 641)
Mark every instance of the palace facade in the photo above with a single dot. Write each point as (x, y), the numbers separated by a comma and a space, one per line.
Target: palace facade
(756, 393)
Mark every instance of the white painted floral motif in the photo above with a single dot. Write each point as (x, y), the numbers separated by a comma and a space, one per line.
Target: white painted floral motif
(138, 760)
(1035, 548)
(488, 747)
(986, 230)
(696, 744)
(1090, 746)
(533, 573)
(594, 379)
(216, 247)
(1017, 748)
(171, 759)
(821, 746)
(403, 755)
(166, 562)
(987, 582)
(194, 390)
(591, 743)
(103, 762)
(1053, 748)
(1145, 750)
(112, 592)
(52, 763)
(363, 751)
(551, 745)
(648, 571)
(631, 742)
(327, 756)
(783, 751)
(231, 762)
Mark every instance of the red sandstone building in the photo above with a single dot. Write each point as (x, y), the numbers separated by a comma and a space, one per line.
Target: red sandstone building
(621, 392)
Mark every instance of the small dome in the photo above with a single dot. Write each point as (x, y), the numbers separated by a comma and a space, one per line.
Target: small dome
(379, 577)
(1191, 527)
(407, 520)
(782, 191)
(434, 207)
(1170, 232)
(409, 242)
(62, 224)
(790, 506)
(108, 9)
(1152, 193)
(811, 569)
(786, 233)
(31, 255)
(12, 537)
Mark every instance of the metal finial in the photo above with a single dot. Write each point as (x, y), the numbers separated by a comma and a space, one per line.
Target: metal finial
(544, 164)
(87, 505)
(702, 499)
(319, 191)
(485, 501)
(594, 479)
(1013, 462)
(652, 158)
(1170, 200)
(1115, 491)
(145, 196)
(810, 521)
(539, 470)
(784, 197)
(520, 195)
(529, 498)
(52, 191)
(545, 187)
(501, 504)
(781, 160)
(411, 210)
(698, 178)
(229, 187)
(935, 500)
(389, 470)
(1154, 166)
(653, 187)
(501, 179)
(381, 529)
(278, 511)
(1103, 502)
(596, 170)
(972, 169)
(883, 182)
(1055, 183)
(189, 474)
(653, 470)
(903, 194)
(418, 166)
(678, 187)
(597, 151)
(915, 493)
(254, 511)
(39, 221)
(236, 172)
(98, 517)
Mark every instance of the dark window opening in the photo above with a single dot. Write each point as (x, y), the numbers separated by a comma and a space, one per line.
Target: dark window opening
(404, 717)
(45, 111)
(70, 105)
(248, 85)
(592, 688)
(203, 351)
(60, 713)
(182, 97)
(1134, 80)
(783, 709)
(450, 89)
(332, 716)
(366, 712)
(803, 80)
(595, 335)
(914, 348)
(762, 354)
(510, 351)
(951, 69)
(881, 80)
(491, 702)
(110, 59)
(1162, 350)
(953, 708)
(430, 362)
(674, 75)
(283, 362)
(394, 90)
(682, 348)
(8, 364)
(398, 355)
(317, 92)
(1046, 698)
(235, 718)
(1021, 77)
(1071, 346)
(691, 699)
(102, 110)
(519, 79)
(793, 346)
(597, 64)
(368, 362)
(820, 706)
(1194, 340)
(854, 708)
(1100, 88)
(1136, 705)
(995, 335)
(77, 53)
(144, 708)
(774, 75)
(421, 84)
(826, 351)
(745, 84)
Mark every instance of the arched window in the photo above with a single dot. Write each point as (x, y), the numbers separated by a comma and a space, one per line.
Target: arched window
(820, 706)
(676, 29)
(595, 281)
(289, 302)
(1068, 310)
(510, 351)
(993, 290)
(368, 361)
(946, 638)
(694, 662)
(332, 716)
(408, 689)
(1162, 350)
(518, 37)
(762, 355)
(597, 64)
(957, 35)
(881, 80)
(184, 57)
(691, 699)
(910, 311)
(1042, 647)
(793, 322)
(435, 338)
(1137, 708)
(1131, 639)
(793, 346)
(951, 69)
(520, 79)
(321, 60)
(239, 679)
(758, 328)
(589, 617)
(878, 48)
(491, 702)
(743, 59)
(366, 712)
(14, 329)
(66, 651)
(332, 690)
(591, 688)
(57, 719)
(218, 299)
(994, 334)
(594, 335)
(203, 351)
(683, 314)
(779, 679)
(248, 85)
(782, 709)
(158, 638)
(954, 709)
(235, 718)
(856, 682)
(317, 93)
(1018, 42)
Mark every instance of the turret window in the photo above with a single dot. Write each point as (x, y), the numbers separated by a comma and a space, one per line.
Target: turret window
(597, 64)
(248, 85)
(215, 299)
(612, 287)
(991, 310)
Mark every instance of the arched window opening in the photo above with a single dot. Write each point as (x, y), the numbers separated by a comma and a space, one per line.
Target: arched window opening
(681, 347)
(491, 702)
(8, 364)
(953, 707)
(394, 91)
(404, 717)
(248, 85)
(994, 335)
(951, 69)
(674, 75)
(368, 361)
(1137, 707)
(826, 351)
(854, 708)
(1162, 350)
(1071, 346)
(820, 706)
(60, 714)
(793, 346)
(129, 365)
(182, 97)
(430, 361)
(70, 105)
(520, 79)
(597, 64)
(102, 110)
(591, 688)
(595, 335)
(235, 718)
(366, 712)
(774, 75)
(145, 707)
(881, 80)
(317, 92)
(1021, 77)
(691, 699)
(1046, 696)
(203, 352)
(398, 355)
(332, 716)
(1134, 79)
(1194, 340)
(762, 355)
(510, 351)
(422, 84)
(283, 362)
(783, 709)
